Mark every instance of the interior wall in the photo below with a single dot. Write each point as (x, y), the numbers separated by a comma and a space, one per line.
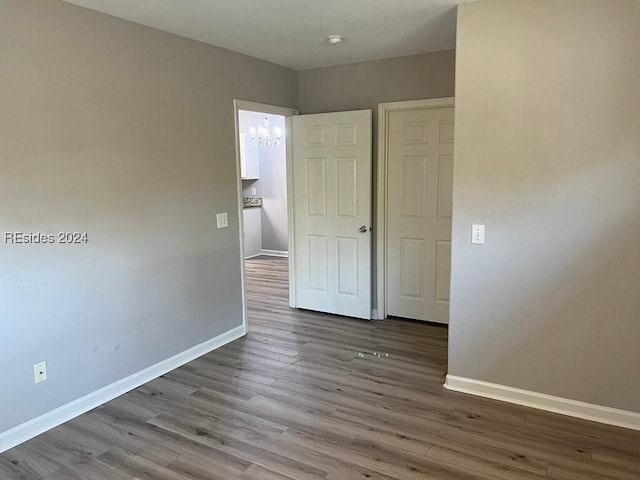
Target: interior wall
(126, 133)
(547, 152)
(364, 85)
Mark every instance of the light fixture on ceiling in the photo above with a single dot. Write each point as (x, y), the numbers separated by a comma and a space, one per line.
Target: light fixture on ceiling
(262, 135)
(335, 40)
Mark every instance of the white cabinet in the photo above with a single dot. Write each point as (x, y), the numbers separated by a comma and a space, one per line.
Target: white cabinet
(252, 232)
(249, 158)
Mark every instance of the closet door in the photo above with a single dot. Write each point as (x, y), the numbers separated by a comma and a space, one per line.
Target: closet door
(419, 195)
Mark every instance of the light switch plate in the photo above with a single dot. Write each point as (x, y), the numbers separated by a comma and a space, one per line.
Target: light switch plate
(477, 234)
(222, 219)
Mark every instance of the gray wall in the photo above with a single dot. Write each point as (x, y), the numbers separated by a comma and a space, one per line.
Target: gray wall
(364, 85)
(126, 133)
(548, 157)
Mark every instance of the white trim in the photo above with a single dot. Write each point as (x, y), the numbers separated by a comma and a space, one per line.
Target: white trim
(273, 110)
(264, 108)
(290, 214)
(274, 253)
(32, 428)
(541, 401)
(382, 205)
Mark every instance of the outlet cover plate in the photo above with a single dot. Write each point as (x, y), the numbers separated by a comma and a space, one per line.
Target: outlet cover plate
(40, 372)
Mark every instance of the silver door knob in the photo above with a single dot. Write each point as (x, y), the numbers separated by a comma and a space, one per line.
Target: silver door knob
(363, 229)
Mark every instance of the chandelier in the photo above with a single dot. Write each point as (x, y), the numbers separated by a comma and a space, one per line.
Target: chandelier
(262, 137)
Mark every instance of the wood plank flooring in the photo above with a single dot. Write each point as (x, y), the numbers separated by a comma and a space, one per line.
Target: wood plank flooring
(313, 396)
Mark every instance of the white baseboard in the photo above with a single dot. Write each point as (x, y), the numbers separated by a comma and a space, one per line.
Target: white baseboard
(541, 401)
(32, 428)
(275, 253)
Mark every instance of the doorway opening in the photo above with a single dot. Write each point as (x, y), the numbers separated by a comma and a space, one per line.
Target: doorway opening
(262, 148)
(328, 200)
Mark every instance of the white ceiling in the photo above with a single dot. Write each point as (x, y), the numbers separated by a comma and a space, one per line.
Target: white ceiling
(293, 32)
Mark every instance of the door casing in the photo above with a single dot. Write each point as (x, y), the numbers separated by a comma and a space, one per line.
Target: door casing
(384, 109)
(287, 113)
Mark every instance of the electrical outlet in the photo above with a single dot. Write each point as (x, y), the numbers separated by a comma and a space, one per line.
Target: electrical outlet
(222, 219)
(40, 372)
(254, 190)
(477, 234)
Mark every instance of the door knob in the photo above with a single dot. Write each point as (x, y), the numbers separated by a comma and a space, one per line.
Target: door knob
(363, 229)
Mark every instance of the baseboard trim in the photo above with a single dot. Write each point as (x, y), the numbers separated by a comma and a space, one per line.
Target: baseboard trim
(541, 401)
(275, 253)
(32, 428)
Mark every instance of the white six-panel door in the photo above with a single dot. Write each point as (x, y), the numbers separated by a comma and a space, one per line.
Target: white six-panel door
(419, 196)
(331, 205)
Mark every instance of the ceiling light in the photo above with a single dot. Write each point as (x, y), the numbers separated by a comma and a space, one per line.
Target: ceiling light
(262, 136)
(335, 39)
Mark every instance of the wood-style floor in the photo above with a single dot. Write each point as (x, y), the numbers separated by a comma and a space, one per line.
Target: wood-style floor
(312, 396)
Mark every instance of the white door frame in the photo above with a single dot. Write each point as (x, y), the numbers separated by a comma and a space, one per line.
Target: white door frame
(384, 109)
(287, 113)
